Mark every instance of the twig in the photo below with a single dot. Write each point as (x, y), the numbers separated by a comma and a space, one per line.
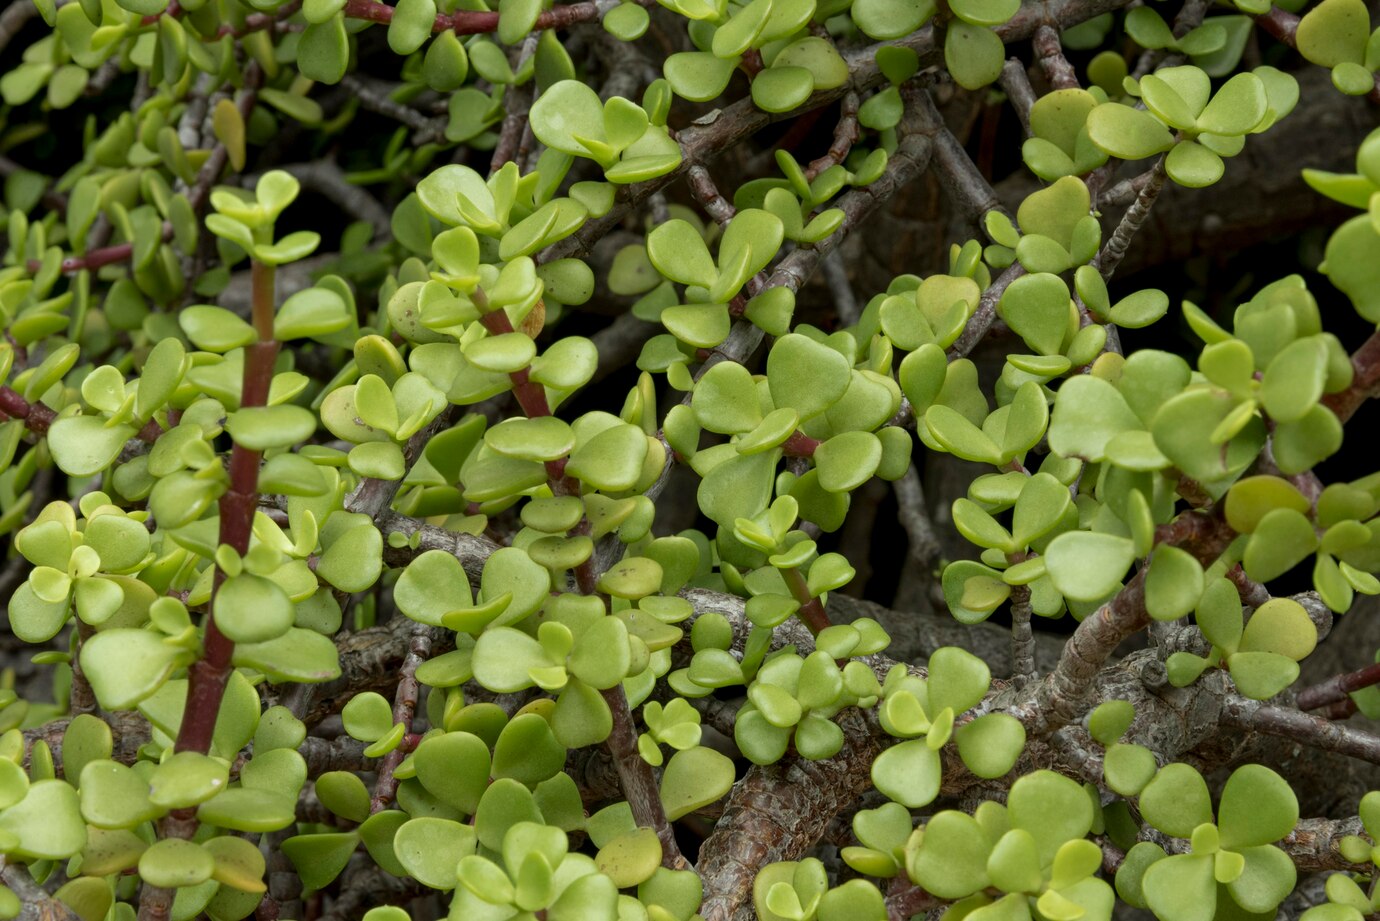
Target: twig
(915, 519)
(841, 288)
(1050, 51)
(517, 102)
(969, 188)
(208, 676)
(35, 904)
(1058, 699)
(14, 19)
(404, 709)
(1022, 637)
(846, 134)
(1016, 82)
(1125, 191)
(1335, 690)
(1303, 728)
(709, 197)
(1115, 248)
(638, 782)
(980, 323)
(376, 99)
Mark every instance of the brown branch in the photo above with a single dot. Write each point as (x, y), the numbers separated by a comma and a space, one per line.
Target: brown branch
(1050, 52)
(846, 134)
(1107, 260)
(1062, 695)
(1335, 690)
(1022, 636)
(1301, 727)
(35, 904)
(777, 812)
(1016, 82)
(404, 709)
(956, 171)
(637, 780)
(709, 197)
(980, 323)
(517, 102)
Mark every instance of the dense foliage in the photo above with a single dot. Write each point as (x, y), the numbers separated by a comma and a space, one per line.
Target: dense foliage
(352, 579)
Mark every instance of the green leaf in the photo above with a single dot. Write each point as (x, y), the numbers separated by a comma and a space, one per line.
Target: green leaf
(1127, 133)
(698, 75)
(1036, 307)
(1236, 108)
(951, 861)
(47, 824)
(678, 252)
(411, 25)
(125, 666)
(908, 773)
(1182, 888)
(320, 858)
(1258, 807)
(1088, 566)
(114, 796)
(990, 744)
(1174, 584)
(1050, 807)
(848, 460)
(880, 19)
(83, 446)
(174, 863)
(1128, 768)
(612, 460)
(323, 54)
(567, 113)
(725, 400)
(1110, 720)
(1176, 801)
(973, 54)
(1334, 32)
(1293, 382)
(261, 428)
(454, 768)
(1282, 539)
(782, 89)
(431, 848)
(1193, 166)
(1281, 625)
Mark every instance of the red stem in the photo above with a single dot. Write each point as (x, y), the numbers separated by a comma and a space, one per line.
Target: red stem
(800, 445)
(36, 416)
(207, 678)
(1336, 689)
(1365, 363)
(811, 611)
(470, 22)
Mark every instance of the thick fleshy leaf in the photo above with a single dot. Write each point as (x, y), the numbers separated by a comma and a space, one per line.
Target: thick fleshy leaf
(1087, 566)
(1127, 133)
(908, 773)
(1176, 801)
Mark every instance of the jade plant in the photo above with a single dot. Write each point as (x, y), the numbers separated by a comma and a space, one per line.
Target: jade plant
(607, 461)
